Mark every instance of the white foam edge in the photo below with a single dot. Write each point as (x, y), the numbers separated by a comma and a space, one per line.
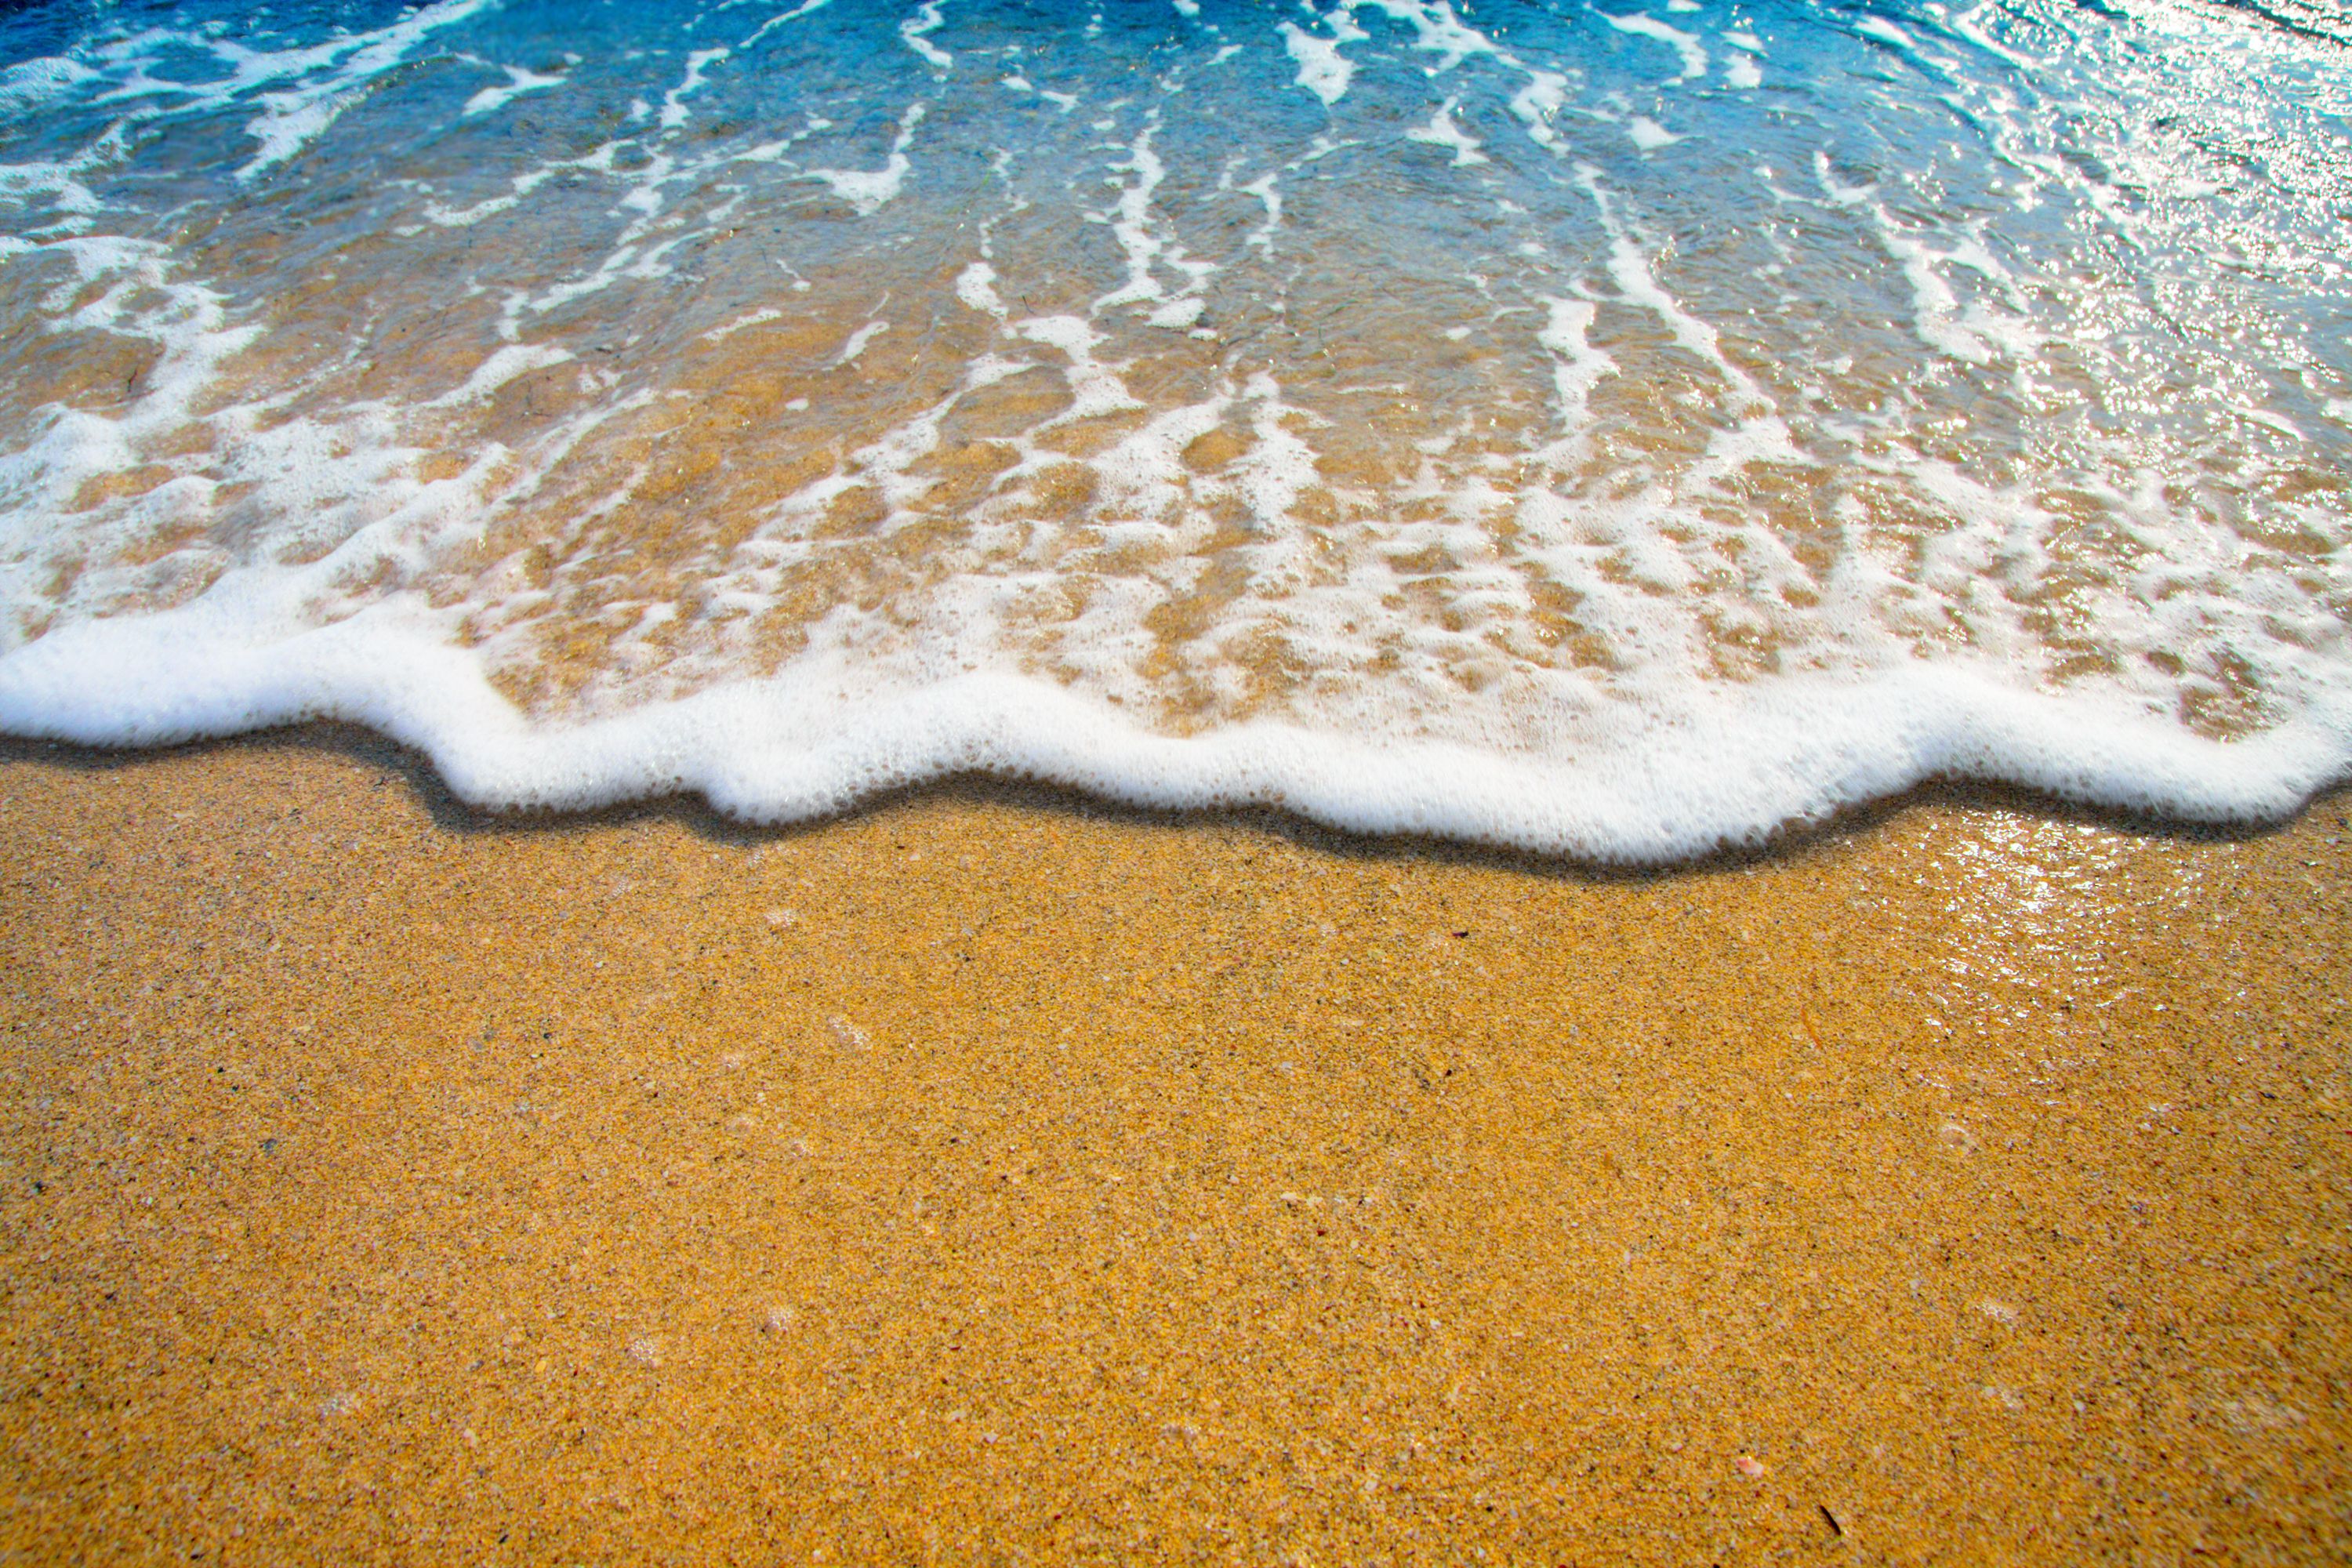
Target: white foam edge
(1732, 770)
(1322, 69)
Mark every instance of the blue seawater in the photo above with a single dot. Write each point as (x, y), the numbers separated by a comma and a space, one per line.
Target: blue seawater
(1615, 429)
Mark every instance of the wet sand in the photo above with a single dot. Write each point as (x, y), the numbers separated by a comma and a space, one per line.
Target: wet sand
(986, 1176)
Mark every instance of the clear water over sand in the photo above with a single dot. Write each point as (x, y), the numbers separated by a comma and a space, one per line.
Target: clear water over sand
(1611, 430)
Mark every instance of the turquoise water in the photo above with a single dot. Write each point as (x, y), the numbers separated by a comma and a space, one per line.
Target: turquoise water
(1615, 430)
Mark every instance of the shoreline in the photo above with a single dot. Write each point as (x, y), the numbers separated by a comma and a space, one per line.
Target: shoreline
(991, 1171)
(363, 746)
(1669, 790)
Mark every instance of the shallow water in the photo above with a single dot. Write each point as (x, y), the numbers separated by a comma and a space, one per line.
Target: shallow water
(1609, 430)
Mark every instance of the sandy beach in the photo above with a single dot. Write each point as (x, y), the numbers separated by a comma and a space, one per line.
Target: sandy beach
(987, 1176)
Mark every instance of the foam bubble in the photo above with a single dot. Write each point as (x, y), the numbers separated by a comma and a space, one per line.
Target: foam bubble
(1322, 69)
(1648, 134)
(490, 100)
(1441, 131)
(1581, 366)
(869, 190)
(505, 363)
(1438, 28)
(1687, 45)
(674, 112)
(917, 30)
(857, 341)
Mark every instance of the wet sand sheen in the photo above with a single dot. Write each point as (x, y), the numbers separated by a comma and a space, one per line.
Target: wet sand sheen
(983, 1176)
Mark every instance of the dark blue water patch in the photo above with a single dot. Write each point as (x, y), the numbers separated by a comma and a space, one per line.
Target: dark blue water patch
(39, 29)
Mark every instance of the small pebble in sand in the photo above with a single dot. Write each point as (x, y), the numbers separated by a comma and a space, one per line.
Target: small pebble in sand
(646, 1350)
(848, 1036)
(782, 919)
(780, 1319)
(338, 1404)
(1750, 1466)
(1999, 1311)
(1957, 1137)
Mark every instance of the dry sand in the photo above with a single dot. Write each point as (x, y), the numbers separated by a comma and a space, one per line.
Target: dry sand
(989, 1177)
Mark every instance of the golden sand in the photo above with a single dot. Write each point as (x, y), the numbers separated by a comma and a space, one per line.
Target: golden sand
(988, 1176)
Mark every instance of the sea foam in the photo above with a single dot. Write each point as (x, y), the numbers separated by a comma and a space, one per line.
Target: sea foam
(1486, 430)
(1736, 770)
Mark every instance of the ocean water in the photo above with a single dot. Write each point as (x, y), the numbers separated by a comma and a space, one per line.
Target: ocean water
(1613, 430)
